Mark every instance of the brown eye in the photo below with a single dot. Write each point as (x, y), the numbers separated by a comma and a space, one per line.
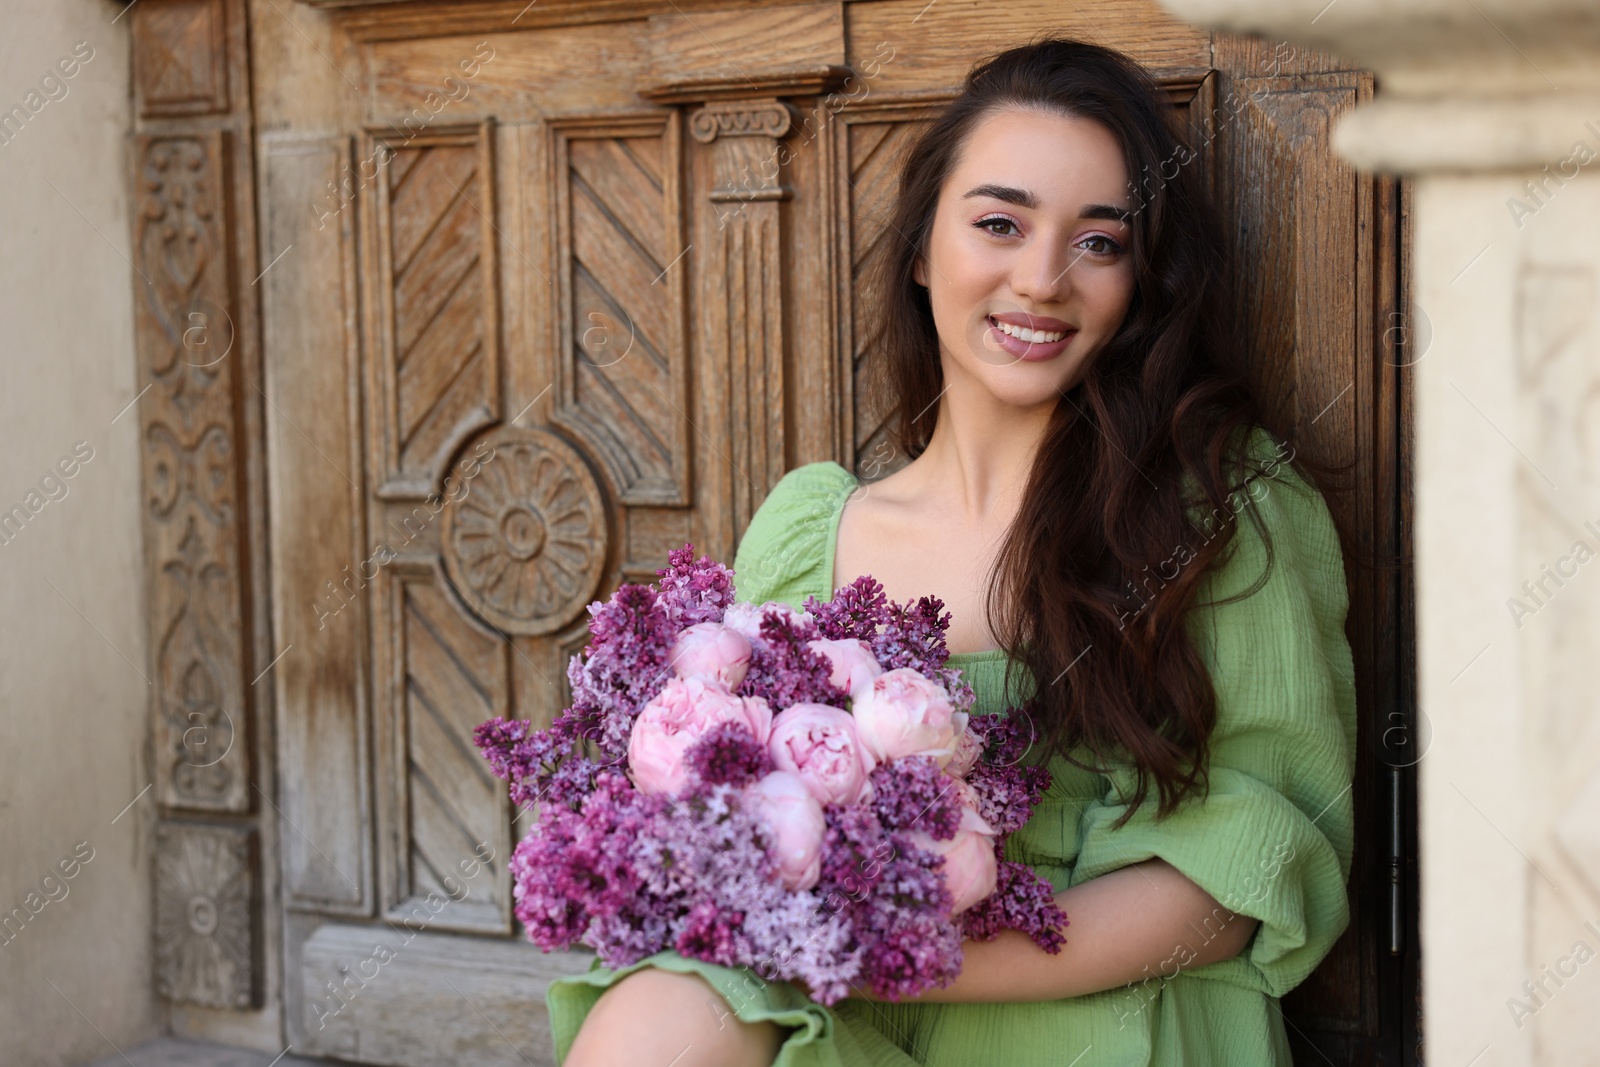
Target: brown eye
(984, 224)
(1107, 246)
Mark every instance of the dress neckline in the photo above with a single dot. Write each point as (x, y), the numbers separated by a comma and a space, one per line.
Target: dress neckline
(830, 549)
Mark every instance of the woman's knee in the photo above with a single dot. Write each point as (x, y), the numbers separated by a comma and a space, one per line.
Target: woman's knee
(655, 1015)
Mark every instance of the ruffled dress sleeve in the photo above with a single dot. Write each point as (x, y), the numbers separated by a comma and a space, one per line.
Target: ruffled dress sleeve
(786, 553)
(1272, 838)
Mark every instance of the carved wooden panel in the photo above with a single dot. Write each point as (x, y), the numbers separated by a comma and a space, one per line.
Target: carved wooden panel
(448, 676)
(192, 230)
(179, 57)
(404, 994)
(874, 141)
(511, 552)
(313, 439)
(1298, 208)
(192, 524)
(432, 299)
(621, 370)
(205, 921)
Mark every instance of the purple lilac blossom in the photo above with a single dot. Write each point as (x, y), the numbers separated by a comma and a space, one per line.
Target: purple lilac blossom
(626, 663)
(729, 755)
(914, 793)
(540, 764)
(913, 636)
(1022, 900)
(784, 670)
(1007, 790)
(856, 611)
(896, 901)
(694, 591)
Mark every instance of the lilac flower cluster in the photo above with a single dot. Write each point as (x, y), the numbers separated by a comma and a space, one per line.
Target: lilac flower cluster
(729, 755)
(900, 636)
(1021, 901)
(896, 903)
(914, 793)
(632, 872)
(540, 764)
(1007, 791)
(783, 670)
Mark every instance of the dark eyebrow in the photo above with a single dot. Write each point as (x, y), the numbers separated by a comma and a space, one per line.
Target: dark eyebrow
(1106, 212)
(1023, 198)
(1019, 197)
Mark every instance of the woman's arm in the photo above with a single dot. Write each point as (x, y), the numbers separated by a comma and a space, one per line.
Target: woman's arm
(1143, 921)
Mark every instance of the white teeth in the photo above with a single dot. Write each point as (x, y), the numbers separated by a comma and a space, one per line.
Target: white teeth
(1036, 337)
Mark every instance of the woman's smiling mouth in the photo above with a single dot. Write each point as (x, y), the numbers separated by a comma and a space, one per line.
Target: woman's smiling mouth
(1032, 339)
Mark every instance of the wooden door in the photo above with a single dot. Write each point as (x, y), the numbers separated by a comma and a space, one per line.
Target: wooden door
(548, 289)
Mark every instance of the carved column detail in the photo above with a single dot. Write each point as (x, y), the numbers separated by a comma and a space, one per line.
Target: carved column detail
(742, 289)
(185, 337)
(193, 235)
(741, 118)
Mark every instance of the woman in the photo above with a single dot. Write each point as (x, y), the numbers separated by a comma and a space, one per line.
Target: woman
(1084, 456)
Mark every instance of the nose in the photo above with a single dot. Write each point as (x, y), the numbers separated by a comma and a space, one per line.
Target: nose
(1043, 269)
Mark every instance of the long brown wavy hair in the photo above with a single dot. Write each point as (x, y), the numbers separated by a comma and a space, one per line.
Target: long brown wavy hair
(1168, 396)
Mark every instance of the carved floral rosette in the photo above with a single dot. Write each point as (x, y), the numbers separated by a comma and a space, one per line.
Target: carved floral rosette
(524, 542)
(204, 899)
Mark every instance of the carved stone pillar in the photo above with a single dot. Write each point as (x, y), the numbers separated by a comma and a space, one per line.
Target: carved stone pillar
(1494, 108)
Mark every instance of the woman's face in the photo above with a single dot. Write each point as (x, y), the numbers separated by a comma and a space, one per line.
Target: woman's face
(1031, 232)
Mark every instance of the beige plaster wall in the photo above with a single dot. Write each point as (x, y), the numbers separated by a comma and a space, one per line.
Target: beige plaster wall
(74, 978)
(1508, 531)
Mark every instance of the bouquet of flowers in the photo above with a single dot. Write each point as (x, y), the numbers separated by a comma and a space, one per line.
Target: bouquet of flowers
(799, 792)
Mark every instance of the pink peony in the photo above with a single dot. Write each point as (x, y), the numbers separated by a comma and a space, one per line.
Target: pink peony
(967, 794)
(794, 816)
(820, 744)
(970, 866)
(746, 618)
(854, 665)
(683, 712)
(969, 749)
(902, 713)
(711, 650)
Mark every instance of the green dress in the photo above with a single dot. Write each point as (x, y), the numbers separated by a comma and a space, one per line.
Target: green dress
(1272, 839)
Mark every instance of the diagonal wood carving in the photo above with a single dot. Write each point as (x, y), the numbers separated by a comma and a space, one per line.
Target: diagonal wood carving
(435, 371)
(620, 369)
(456, 675)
